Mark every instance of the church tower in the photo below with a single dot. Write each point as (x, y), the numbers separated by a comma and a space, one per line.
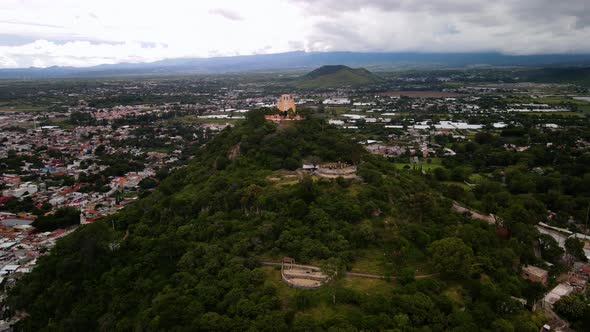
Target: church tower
(286, 104)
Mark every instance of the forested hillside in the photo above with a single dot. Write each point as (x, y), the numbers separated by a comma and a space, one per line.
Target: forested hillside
(337, 76)
(187, 257)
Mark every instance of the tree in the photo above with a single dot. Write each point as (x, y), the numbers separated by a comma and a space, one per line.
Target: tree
(574, 308)
(63, 217)
(442, 174)
(461, 173)
(99, 150)
(575, 248)
(484, 138)
(407, 276)
(147, 183)
(255, 118)
(82, 118)
(550, 249)
(451, 256)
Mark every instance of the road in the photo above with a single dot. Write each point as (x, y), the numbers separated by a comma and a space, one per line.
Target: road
(490, 218)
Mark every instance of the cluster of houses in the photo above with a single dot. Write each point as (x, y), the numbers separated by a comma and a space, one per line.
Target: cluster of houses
(56, 153)
(47, 166)
(575, 280)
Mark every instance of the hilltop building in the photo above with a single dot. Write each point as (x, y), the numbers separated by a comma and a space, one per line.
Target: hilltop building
(286, 104)
(287, 110)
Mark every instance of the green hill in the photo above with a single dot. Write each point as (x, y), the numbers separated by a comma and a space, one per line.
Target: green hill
(337, 76)
(187, 257)
(568, 75)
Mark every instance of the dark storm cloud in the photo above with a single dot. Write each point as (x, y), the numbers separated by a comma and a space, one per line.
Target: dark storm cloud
(518, 26)
(529, 10)
(331, 6)
(546, 10)
(537, 8)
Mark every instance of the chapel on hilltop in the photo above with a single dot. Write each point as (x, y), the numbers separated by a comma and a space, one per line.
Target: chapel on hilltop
(286, 104)
(286, 110)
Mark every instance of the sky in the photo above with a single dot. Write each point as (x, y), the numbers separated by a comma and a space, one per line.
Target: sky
(43, 33)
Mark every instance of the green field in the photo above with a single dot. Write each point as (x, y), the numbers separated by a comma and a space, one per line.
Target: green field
(370, 261)
(193, 119)
(21, 108)
(565, 113)
(457, 183)
(425, 167)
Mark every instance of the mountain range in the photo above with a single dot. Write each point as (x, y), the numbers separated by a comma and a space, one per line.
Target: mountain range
(300, 60)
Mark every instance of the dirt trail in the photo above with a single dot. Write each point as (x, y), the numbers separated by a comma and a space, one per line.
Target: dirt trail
(359, 274)
(490, 219)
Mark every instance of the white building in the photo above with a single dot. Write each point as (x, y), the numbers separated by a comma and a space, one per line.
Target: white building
(26, 188)
(337, 101)
(336, 122)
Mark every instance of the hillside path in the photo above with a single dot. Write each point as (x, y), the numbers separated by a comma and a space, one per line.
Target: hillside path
(357, 274)
(490, 218)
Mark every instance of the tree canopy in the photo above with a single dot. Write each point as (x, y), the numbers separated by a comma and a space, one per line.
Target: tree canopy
(187, 256)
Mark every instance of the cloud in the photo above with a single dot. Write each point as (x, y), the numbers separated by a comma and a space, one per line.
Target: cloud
(66, 29)
(33, 24)
(516, 27)
(228, 14)
(7, 39)
(43, 53)
(73, 32)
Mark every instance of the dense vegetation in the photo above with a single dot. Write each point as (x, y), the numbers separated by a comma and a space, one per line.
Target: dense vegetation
(63, 217)
(187, 256)
(552, 173)
(576, 309)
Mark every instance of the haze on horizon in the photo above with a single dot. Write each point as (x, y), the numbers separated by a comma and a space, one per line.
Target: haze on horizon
(44, 33)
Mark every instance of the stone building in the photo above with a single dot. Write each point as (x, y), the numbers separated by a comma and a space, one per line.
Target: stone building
(286, 104)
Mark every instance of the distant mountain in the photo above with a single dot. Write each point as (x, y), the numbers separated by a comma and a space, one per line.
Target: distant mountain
(300, 61)
(579, 76)
(336, 76)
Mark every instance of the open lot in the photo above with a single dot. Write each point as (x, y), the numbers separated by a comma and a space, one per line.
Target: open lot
(421, 94)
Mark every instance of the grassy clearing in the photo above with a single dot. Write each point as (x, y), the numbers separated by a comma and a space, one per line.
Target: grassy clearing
(160, 150)
(322, 306)
(21, 108)
(416, 260)
(455, 294)
(273, 276)
(366, 286)
(565, 113)
(329, 315)
(283, 178)
(457, 183)
(476, 178)
(193, 119)
(560, 100)
(425, 167)
(62, 123)
(370, 261)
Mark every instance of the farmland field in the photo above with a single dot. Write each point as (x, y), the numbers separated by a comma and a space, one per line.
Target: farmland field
(421, 94)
